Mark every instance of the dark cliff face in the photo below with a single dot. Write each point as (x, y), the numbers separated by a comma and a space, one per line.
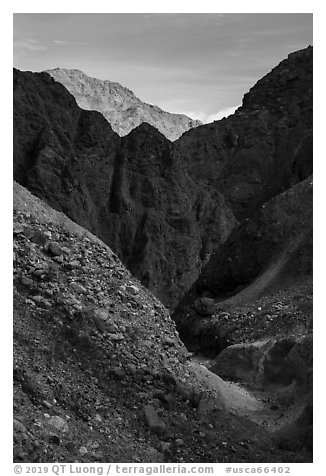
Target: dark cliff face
(134, 193)
(162, 221)
(267, 150)
(266, 260)
(274, 245)
(266, 146)
(61, 153)
(264, 159)
(164, 207)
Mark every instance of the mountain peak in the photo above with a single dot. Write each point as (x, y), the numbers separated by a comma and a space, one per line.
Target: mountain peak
(146, 128)
(119, 105)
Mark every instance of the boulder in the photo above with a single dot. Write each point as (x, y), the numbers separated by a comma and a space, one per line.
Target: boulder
(58, 424)
(155, 424)
(265, 363)
(54, 249)
(205, 306)
(297, 434)
(78, 288)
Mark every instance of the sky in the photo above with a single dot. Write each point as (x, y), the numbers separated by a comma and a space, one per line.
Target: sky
(199, 64)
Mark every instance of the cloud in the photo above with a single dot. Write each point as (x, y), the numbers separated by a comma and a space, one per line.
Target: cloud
(207, 118)
(199, 115)
(30, 44)
(66, 43)
(33, 45)
(60, 42)
(227, 111)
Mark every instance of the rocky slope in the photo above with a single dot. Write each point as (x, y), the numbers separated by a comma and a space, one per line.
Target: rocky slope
(270, 249)
(100, 374)
(251, 309)
(164, 207)
(281, 367)
(267, 256)
(119, 105)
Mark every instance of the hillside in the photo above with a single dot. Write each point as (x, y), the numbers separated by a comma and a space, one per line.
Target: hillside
(100, 374)
(251, 312)
(119, 105)
(265, 147)
(265, 261)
